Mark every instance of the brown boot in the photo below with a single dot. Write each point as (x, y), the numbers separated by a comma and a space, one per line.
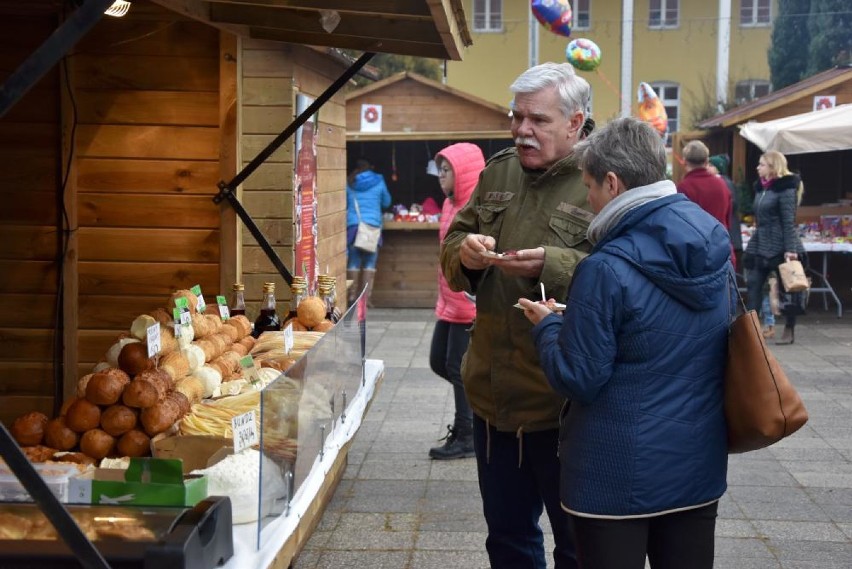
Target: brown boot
(368, 276)
(353, 289)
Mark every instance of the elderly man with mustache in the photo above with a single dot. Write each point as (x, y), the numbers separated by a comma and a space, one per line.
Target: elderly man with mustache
(524, 227)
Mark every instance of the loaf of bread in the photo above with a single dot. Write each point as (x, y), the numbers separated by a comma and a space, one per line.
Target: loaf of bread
(97, 443)
(160, 417)
(147, 389)
(134, 443)
(176, 365)
(82, 416)
(59, 436)
(118, 419)
(28, 429)
(133, 359)
(105, 387)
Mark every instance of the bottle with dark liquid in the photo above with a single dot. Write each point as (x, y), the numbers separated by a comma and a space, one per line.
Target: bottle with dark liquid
(238, 301)
(298, 289)
(268, 319)
(327, 294)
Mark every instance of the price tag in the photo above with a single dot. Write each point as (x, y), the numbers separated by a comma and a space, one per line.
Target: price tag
(249, 371)
(223, 307)
(154, 340)
(245, 431)
(288, 338)
(176, 316)
(184, 316)
(196, 290)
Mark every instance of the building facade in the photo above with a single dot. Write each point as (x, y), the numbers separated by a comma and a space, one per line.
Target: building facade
(693, 52)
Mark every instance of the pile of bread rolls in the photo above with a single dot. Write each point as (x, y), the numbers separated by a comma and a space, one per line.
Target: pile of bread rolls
(130, 397)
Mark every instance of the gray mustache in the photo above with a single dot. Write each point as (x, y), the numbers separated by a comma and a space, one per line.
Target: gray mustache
(521, 141)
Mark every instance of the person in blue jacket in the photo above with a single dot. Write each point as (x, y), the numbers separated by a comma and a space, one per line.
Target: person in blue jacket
(640, 355)
(368, 188)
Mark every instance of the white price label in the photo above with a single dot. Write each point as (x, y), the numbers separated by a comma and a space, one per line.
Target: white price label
(288, 338)
(245, 431)
(154, 342)
(249, 370)
(224, 313)
(201, 306)
(185, 318)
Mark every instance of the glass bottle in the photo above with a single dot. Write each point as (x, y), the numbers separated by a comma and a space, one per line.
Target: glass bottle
(268, 318)
(298, 289)
(238, 301)
(328, 295)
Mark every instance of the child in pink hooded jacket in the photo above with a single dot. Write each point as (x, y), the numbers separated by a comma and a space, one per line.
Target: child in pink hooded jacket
(459, 166)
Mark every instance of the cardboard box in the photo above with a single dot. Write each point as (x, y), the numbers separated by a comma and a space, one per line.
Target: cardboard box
(146, 482)
(195, 451)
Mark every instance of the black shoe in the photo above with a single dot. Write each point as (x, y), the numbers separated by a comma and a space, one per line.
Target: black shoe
(457, 446)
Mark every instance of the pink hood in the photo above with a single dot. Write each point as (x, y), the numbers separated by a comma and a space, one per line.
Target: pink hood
(467, 162)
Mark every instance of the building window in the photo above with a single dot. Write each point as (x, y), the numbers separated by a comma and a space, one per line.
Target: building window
(582, 15)
(755, 13)
(746, 91)
(663, 14)
(488, 15)
(669, 94)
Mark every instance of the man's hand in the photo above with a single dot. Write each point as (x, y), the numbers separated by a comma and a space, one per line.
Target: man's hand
(534, 311)
(472, 248)
(525, 263)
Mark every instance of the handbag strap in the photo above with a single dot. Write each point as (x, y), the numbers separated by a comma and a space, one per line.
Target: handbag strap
(357, 209)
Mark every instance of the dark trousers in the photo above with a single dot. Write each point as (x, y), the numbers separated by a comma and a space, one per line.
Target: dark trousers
(673, 541)
(756, 278)
(449, 343)
(516, 492)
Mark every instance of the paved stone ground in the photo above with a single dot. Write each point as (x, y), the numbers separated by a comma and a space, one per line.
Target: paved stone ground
(787, 507)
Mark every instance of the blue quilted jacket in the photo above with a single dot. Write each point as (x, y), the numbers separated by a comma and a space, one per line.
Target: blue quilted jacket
(372, 194)
(640, 354)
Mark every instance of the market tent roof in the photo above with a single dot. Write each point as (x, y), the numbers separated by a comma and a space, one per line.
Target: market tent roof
(425, 28)
(817, 131)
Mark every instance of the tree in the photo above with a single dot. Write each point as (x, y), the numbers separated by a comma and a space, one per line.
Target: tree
(830, 28)
(389, 63)
(790, 43)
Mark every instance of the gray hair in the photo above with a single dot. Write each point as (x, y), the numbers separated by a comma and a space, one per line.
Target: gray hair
(629, 148)
(695, 153)
(574, 91)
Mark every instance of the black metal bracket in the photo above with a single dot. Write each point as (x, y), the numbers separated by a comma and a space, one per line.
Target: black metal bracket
(227, 189)
(66, 527)
(52, 50)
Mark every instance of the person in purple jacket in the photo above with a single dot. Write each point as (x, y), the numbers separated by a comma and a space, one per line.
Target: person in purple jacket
(640, 356)
(459, 166)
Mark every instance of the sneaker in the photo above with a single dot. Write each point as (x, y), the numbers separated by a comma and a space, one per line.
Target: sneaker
(455, 447)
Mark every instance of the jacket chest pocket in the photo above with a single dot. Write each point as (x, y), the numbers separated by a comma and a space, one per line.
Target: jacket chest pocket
(490, 219)
(566, 231)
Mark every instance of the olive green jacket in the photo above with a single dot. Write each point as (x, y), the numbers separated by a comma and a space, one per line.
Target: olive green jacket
(521, 210)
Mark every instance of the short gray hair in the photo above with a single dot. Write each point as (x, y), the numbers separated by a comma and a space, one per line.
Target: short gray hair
(629, 148)
(574, 91)
(696, 153)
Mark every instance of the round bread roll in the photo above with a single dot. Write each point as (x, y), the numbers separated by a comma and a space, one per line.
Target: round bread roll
(115, 350)
(83, 382)
(324, 326)
(140, 325)
(134, 443)
(133, 359)
(311, 311)
(83, 415)
(28, 429)
(190, 297)
(96, 443)
(118, 419)
(162, 316)
(105, 387)
(59, 436)
(297, 324)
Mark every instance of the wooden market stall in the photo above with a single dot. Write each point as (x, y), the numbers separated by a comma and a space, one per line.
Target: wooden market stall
(419, 117)
(113, 152)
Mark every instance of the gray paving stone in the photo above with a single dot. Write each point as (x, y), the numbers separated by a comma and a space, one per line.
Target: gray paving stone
(804, 531)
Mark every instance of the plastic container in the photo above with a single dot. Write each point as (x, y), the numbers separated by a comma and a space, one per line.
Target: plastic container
(56, 476)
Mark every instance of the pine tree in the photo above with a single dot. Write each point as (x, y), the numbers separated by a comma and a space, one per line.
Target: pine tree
(790, 43)
(830, 28)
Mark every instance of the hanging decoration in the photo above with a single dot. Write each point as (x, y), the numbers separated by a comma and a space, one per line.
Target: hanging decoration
(584, 54)
(555, 15)
(394, 176)
(651, 109)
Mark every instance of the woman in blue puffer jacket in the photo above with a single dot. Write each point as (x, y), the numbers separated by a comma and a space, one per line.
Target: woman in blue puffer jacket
(640, 354)
(368, 189)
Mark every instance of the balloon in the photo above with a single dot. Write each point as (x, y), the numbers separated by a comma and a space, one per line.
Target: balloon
(651, 109)
(555, 15)
(583, 54)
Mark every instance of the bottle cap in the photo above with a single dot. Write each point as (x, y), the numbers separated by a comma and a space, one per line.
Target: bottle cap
(239, 286)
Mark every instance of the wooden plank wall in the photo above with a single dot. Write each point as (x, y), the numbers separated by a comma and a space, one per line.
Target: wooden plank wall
(29, 220)
(409, 105)
(272, 74)
(146, 88)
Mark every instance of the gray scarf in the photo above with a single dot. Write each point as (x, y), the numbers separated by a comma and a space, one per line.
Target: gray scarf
(612, 212)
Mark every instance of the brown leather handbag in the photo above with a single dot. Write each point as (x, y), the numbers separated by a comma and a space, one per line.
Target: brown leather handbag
(761, 405)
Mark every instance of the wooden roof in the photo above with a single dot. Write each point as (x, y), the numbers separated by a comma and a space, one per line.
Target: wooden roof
(814, 85)
(416, 107)
(425, 28)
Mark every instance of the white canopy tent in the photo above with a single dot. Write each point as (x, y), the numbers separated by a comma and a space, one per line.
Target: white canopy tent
(817, 131)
